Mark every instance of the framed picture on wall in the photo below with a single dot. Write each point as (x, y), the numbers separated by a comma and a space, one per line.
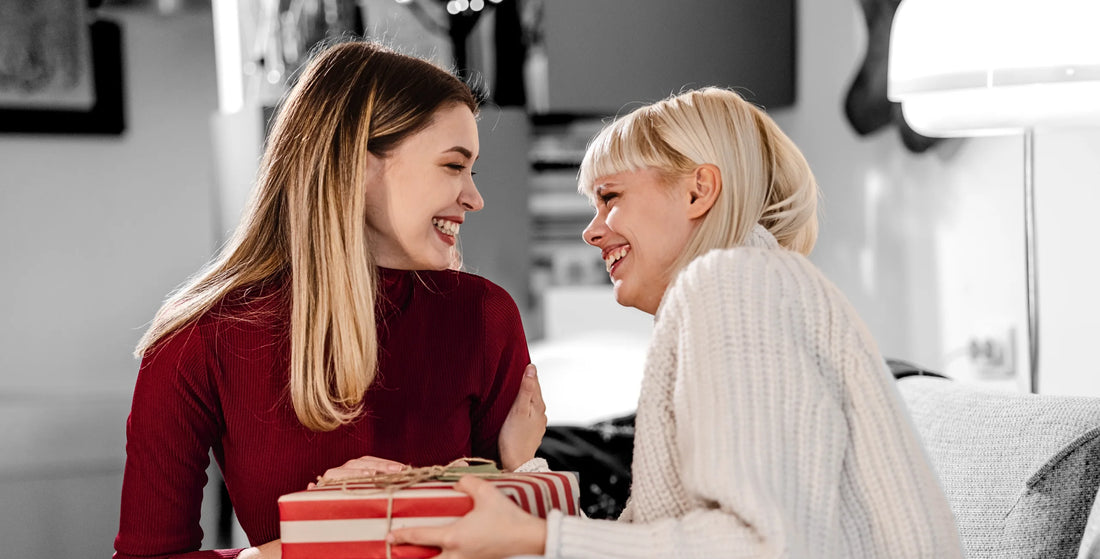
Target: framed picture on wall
(58, 73)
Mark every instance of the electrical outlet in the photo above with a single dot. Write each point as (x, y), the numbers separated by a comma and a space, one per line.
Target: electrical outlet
(993, 356)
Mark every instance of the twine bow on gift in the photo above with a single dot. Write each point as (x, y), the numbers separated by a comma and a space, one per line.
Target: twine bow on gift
(412, 476)
(391, 483)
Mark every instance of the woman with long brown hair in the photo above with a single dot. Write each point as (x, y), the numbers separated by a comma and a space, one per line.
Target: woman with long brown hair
(333, 327)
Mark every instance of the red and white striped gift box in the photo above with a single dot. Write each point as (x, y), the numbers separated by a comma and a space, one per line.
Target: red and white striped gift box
(350, 521)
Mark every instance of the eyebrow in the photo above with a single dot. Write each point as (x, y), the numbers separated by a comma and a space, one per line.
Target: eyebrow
(598, 190)
(597, 194)
(459, 149)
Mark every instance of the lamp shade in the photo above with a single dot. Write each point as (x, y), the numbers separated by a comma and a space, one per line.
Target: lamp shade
(981, 67)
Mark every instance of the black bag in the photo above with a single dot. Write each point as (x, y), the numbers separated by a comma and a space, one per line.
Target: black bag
(601, 455)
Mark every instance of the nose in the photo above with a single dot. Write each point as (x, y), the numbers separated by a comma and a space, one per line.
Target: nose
(594, 233)
(470, 199)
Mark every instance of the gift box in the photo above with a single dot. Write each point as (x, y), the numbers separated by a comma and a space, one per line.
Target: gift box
(350, 520)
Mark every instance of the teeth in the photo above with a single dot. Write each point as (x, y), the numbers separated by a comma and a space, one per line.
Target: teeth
(447, 226)
(615, 255)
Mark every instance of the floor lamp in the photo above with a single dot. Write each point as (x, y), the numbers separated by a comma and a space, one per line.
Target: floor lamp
(990, 67)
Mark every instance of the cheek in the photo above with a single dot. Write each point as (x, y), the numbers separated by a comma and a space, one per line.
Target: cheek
(619, 221)
(671, 238)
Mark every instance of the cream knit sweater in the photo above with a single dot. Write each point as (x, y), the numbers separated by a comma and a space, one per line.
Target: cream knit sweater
(768, 426)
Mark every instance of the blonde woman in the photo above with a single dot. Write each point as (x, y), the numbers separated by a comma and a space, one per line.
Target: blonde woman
(767, 425)
(331, 331)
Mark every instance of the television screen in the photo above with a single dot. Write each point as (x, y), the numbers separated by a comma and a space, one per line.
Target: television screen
(603, 57)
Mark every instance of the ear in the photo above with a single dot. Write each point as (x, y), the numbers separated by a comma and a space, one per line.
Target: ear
(373, 168)
(706, 185)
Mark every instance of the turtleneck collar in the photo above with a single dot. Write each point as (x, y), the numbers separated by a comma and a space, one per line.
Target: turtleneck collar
(760, 237)
(394, 290)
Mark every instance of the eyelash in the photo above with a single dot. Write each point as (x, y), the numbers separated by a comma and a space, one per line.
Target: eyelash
(606, 198)
(459, 167)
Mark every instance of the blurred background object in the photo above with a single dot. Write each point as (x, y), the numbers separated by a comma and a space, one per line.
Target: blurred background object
(98, 228)
(1038, 67)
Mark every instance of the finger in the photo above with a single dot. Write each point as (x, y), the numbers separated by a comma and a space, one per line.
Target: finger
(539, 404)
(346, 472)
(475, 487)
(484, 493)
(530, 383)
(372, 461)
(376, 464)
(420, 535)
(525, 399)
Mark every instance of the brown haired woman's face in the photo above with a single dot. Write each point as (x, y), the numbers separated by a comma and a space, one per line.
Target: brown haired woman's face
(642, 224)
(419, 194)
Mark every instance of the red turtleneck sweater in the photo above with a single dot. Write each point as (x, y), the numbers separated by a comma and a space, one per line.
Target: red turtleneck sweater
(451, 356)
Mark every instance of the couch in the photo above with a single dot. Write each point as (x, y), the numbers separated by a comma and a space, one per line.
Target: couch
(1021, 471)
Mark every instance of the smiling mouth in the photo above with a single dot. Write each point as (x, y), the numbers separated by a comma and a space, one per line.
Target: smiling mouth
(446, 226)
(614, 256)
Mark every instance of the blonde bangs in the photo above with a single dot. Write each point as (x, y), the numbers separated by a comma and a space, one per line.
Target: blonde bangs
(630, 143)
(765, 178)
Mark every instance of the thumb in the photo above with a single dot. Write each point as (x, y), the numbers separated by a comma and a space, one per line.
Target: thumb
(529, 393)
(529, 385)
(528, 388)
(475, 487)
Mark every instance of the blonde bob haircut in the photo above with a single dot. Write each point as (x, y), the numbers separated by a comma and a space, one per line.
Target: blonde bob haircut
(765, 178)
(307, 219)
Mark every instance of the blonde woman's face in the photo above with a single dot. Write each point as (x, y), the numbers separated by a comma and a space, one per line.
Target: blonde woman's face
(419, 195)
(641, 227)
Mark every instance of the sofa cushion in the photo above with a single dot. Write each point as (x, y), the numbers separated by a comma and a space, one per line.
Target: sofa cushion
(1020, 471)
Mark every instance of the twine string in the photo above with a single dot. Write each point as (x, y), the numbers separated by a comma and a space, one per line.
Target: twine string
(393, 482)
(404, 478)
(389, 524)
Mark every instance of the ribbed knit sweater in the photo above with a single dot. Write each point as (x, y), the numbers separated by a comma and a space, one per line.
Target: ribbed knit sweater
(767, 426)
(451, 357)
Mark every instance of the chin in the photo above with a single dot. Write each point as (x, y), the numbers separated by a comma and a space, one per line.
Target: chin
(440, 262)
(622, 297)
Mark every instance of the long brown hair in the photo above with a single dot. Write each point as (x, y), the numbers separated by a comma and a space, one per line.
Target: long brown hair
(307, 216)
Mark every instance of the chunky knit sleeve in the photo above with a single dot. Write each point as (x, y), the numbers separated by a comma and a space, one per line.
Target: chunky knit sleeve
(772, 429)
(759, 437)
(760, 425)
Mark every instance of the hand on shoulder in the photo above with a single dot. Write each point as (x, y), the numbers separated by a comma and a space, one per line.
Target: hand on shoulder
(525, 425)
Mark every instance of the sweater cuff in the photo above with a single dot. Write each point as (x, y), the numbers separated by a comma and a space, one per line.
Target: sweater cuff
(533, 465)
(553, 534)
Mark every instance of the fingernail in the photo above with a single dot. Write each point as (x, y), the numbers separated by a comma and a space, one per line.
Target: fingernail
(395, 467)
(530, 372)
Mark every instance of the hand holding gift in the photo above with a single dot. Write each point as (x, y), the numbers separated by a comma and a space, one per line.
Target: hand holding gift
(496, 527)
(351, 518)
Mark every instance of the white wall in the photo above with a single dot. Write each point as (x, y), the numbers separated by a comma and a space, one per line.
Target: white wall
(930, 247)
(1067, 197)
(96, 230)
